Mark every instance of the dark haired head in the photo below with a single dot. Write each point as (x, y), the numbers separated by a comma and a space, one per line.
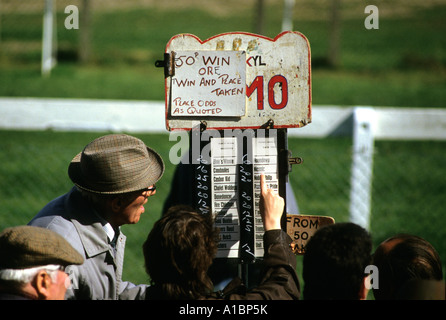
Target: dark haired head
(402, 258)
(178, 253)
(334, 262)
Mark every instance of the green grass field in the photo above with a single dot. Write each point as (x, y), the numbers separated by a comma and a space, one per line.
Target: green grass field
(403, 63)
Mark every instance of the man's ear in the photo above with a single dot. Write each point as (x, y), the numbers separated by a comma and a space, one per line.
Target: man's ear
(364, 290)
(42, 283)
(116, 204)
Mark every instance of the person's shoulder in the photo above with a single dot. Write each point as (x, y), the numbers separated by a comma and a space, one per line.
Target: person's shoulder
(56, 212)
(54, 216)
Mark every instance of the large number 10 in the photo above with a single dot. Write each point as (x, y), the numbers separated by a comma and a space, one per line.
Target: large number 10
(257, 84)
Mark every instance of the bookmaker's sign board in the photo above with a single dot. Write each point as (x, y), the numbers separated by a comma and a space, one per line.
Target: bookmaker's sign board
(238, 80)
(237, 93)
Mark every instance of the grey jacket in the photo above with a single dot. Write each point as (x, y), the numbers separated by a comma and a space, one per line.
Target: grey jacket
(100, 275)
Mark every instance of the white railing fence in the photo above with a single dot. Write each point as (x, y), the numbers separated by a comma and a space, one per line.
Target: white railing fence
(365, 124)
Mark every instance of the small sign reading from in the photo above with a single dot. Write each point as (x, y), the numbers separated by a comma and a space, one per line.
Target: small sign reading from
(209, 84)
(302, 227)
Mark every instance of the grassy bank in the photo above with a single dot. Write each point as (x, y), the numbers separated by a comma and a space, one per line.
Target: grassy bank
(403, 63)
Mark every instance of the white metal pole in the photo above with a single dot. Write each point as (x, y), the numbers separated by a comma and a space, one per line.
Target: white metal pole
(48, 59)
(287, 22)
(361, 174)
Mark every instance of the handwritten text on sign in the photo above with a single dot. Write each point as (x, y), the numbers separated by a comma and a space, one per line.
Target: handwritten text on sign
(302, 227)
(209, 83)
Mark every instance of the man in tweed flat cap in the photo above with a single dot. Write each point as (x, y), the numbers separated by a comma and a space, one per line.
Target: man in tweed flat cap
(113, 177)
(32, 264)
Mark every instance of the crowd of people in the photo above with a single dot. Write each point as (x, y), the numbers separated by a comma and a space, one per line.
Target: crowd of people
(74, 247)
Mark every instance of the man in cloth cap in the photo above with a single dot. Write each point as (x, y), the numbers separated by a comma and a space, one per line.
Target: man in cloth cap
(113, 176)
(32, 264)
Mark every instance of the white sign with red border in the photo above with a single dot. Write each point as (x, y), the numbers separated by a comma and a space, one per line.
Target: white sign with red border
(208, 83)
(239, 80)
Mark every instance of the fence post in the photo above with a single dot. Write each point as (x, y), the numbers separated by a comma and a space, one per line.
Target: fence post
(362, 163)
(48, 38)
(287, 20)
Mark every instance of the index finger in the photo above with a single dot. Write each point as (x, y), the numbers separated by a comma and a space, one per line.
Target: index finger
(263, 186)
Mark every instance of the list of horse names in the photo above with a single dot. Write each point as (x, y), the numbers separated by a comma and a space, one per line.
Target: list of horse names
(209, 83)
(228, 203)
